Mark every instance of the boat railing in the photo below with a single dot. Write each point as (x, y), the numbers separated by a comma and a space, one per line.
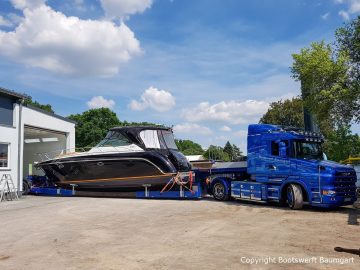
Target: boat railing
(50, 155)
(60, 153)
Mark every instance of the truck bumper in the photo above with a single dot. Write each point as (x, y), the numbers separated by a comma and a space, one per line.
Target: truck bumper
(329, 201)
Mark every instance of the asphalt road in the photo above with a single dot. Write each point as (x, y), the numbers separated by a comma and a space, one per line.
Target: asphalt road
(113, 233)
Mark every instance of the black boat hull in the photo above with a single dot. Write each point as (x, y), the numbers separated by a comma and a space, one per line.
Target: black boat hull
(111, 172)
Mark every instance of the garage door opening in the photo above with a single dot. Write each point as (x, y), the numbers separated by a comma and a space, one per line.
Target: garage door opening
(38, 141)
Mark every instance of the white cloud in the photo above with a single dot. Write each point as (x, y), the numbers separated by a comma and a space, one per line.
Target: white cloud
(68, 45)
(225, 128)
(122, 8)
(192, 128)
(159, 100)
(22, 4)
(241, 133)
(5, 22)
(344, 15)
(353, 8)
(325, 16)
(234, 112)
(100, 102)
(222, 138)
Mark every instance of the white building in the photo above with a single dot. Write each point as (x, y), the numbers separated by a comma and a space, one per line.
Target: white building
(26, 131)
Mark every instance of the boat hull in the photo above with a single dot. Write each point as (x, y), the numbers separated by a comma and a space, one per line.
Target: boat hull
(110, 172)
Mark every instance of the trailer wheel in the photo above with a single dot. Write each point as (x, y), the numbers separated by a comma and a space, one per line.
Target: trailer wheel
(220, 192)
(294, 195)
(26, 187)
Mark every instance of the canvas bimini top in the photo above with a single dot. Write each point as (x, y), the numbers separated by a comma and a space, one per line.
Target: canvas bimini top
(146, 137)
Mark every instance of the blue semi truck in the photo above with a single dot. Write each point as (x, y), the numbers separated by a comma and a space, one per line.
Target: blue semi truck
(285, 165)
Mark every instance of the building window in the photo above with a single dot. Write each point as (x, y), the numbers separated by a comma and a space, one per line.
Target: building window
(6, 111)
(4, 156)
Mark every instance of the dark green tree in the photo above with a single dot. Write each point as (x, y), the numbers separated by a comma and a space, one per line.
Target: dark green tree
(228, 149)
(188, 147)
(237, 153)
(348, 41)
(92, 126)
(341, 144)
(287, 112)
(216, 153)
(46, 107)
(325, 86)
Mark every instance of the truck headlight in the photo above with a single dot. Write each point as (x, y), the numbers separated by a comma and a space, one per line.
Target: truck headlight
(328, 192)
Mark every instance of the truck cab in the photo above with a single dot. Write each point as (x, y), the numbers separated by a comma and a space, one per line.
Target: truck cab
(293, 163)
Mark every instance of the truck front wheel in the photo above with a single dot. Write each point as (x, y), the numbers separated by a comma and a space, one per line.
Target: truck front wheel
(294, 196)
(220, 192)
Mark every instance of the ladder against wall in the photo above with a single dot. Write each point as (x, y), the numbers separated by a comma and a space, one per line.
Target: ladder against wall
(8, 191)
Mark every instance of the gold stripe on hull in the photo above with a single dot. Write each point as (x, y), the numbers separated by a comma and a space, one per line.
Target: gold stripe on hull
(120, 179)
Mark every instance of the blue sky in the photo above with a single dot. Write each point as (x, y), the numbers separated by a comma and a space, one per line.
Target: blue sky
(207, 67)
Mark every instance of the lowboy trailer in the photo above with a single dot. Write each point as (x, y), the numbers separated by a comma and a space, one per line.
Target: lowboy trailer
(284, 165)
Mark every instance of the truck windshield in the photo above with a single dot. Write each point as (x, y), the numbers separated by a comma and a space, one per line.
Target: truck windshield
(114, 139)
(308, 150)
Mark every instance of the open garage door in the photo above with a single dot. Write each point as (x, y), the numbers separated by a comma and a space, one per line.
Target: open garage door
(37, 141)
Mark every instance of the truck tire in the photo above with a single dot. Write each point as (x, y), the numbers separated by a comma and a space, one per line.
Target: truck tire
(220, 191)
(294, 195)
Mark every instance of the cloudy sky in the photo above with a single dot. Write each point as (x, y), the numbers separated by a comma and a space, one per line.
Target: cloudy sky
(209, 68)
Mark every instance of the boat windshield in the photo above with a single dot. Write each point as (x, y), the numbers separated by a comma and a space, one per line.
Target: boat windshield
(114, 139)
(308, 150)
(169, 139)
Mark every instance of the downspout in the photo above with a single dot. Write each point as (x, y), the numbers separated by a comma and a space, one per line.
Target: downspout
(20, 143)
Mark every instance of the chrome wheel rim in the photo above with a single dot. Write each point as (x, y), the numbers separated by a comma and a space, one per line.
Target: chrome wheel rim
(219, 190)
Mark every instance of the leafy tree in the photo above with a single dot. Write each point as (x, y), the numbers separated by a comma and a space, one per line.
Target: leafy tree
(348, 40)
(216, 153)
(92, 126)
(341, 144)
(287, 112)
(326, 91)
(228, 149)
(46, 107)
(233, 152)
(237, 153)
(188, 147)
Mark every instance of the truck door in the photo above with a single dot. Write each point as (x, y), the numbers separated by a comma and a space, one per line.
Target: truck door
(278, 167)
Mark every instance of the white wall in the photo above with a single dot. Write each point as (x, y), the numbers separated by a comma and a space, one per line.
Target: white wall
(10, 135)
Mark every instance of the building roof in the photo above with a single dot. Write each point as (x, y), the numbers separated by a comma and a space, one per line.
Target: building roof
(50, 113)
(16, 95)
(11, 93)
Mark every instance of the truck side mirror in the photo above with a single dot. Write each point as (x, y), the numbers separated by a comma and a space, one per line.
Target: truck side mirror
(282, 149)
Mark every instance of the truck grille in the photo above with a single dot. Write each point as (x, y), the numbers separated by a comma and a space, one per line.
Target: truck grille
(345, 183)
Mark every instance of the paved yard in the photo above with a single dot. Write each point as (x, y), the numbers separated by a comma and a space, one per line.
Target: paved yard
(107, 233)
